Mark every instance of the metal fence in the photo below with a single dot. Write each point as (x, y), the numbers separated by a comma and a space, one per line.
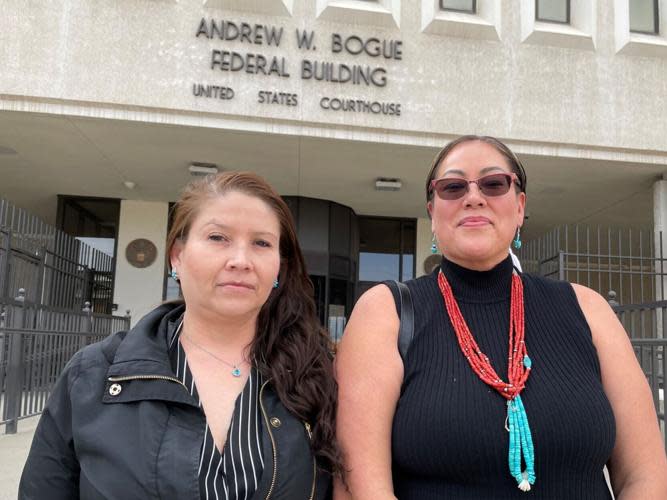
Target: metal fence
(626, 265)
(645, 324)
(651, 356)
(629, 261)
(36, 342)
(57, 269)
(642, 321)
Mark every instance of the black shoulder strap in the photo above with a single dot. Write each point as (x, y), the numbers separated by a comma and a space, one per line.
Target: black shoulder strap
(406, 314)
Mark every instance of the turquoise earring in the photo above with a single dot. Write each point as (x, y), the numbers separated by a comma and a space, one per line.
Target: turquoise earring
(434, 247)
(517, 241)
(174, 274)
(275, 283)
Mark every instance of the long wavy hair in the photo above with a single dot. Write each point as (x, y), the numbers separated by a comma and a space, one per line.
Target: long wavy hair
(290, 346)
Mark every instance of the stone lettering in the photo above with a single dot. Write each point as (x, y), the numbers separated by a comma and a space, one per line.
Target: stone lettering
(212, 91)
(226, 60)
(274, 97)
(343, 73)
(304, 39)
(360, 106)
(258, 34)
(374, 47)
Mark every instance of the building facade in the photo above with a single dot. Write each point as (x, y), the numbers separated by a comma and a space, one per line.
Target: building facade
(108, 101)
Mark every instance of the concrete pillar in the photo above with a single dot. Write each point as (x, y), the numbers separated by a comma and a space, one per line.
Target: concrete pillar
(140, 289)
(660, 228)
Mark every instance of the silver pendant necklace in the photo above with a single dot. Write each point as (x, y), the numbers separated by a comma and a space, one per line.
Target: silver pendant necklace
(236, 371)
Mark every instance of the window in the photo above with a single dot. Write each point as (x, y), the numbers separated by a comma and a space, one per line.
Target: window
(386, 250)
(478, 19)
(553, 11)
(171, 289)
(94, 222)
(386, 13)
(638, 29)
(469, 6)
(644, 16)
(560, 23)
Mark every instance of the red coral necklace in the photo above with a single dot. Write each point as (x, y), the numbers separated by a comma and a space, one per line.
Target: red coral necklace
(519, 366)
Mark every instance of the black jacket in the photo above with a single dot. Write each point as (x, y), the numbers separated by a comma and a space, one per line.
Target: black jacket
(143, 442)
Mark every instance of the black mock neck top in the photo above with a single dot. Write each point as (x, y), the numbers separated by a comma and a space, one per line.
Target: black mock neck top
(449, 439)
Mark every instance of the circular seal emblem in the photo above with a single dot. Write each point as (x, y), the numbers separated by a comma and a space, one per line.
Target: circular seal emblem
(140, 252)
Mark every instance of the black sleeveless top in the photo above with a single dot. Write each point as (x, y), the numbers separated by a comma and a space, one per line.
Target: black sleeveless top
(449, 439)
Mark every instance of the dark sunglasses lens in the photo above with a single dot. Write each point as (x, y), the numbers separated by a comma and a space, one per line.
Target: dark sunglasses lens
(451, 189)
(495, 185)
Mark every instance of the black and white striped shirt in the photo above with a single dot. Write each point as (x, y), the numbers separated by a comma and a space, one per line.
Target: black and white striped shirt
(235, 473)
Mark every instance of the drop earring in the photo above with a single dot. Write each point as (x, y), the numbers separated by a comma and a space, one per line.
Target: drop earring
(174, 274)
(275, 283)
(517, 241)
(434, 247)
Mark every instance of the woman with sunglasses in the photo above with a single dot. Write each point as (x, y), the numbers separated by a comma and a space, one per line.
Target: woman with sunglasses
(514, 386)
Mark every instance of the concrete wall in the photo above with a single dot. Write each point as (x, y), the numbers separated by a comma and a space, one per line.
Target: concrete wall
(660, 228)
(140, 289)
(499, 72)
(589, 90)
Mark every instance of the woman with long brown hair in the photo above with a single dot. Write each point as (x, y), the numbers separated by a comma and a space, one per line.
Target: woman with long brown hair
(227, 394)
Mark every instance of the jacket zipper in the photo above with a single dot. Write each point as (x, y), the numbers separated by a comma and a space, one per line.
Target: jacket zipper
(273, 442)
(145, 377)
(310, 436)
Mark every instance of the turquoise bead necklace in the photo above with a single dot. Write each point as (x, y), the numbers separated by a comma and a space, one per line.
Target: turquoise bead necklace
(519, 367)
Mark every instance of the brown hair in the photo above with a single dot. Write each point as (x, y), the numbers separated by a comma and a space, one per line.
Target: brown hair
(512, 159)
(290, 346)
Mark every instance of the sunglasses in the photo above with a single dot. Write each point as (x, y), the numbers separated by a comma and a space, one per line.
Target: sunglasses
(489, 185)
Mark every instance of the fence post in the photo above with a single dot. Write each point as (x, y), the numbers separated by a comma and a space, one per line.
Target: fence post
(561, 265)
(41, 277)
(88, 282)
(5, 272)
(128, 319)
(611, 298)
(3, 341)
(15, 368)
(87, 325)
(614, 304)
